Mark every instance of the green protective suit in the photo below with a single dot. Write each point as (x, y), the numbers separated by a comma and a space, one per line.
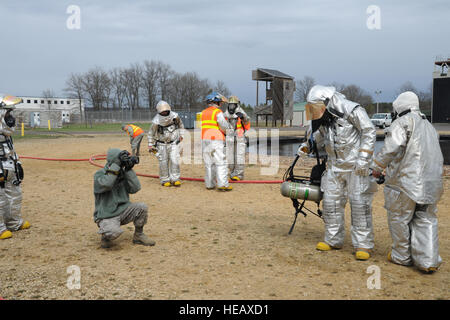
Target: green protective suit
(112, 191)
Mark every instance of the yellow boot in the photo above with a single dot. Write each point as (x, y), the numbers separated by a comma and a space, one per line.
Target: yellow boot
(25, 225)
(390, 257)
(229, 188)
(177, 183)
(362, 254)
(429, 270)
(166, 184)
(235, 178)
(322, 246)
(6, 235)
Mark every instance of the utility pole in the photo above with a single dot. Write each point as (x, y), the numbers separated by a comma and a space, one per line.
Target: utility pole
(377, 93)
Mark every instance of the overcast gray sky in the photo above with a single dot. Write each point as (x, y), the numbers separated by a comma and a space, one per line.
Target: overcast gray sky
(226, 40)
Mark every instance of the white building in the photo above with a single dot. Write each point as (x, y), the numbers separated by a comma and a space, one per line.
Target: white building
(36, 111)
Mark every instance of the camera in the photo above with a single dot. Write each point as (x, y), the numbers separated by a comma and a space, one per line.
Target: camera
(127, 161)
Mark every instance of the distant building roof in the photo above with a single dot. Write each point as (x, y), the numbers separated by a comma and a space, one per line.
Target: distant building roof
(269, 74)
(299, 106)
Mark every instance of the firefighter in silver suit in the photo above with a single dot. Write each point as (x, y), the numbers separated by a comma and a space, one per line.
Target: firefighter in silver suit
(348, 136)
(164, 138)
(11, 172)
(413, 163)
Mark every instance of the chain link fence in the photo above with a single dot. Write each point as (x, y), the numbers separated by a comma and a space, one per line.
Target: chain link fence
(139, 115)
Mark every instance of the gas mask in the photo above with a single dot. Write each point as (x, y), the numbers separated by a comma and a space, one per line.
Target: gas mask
(232, 108)
(395, 115)
(9, 119)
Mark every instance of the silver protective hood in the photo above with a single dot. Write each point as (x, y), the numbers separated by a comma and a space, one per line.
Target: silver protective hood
(406, 100)
(338, 105)
(165, 121)
(9, 102)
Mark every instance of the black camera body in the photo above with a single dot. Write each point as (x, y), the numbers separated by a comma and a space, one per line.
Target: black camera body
(127, 161)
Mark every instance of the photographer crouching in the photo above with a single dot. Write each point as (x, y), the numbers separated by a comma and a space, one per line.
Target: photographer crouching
(112, 186)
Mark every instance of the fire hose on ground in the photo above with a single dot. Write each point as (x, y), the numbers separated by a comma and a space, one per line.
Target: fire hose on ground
(93, 158)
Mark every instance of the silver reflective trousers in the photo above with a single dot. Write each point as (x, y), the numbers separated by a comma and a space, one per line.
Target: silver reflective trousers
(235, 148)
(337, 187)
(414, 230)
(136, 213)
(216, 169)
(10, 206)
(169, 162)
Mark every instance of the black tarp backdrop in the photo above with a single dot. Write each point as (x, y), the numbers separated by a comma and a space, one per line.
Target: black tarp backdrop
(441, 100)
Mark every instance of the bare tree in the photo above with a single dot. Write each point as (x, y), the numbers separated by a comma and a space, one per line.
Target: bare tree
(407, 86)
(48, 94)
(357, 94)
(96, 84)
(302, 88)
(75, 89)
(338, 86)
(150, 82)
(165, 73)
(116, 76)
(424, 96)
(222, 88)
(188, 90)
(197, 89)
(133, 84)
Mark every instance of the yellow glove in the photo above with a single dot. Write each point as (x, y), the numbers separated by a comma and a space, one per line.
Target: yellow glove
(303, 149)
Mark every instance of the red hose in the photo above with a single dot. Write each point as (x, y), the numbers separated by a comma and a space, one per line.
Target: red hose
(52, 159)
(103, 157)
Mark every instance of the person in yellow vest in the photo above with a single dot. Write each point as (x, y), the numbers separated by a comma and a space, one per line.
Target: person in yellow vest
(214, 128)
(136, 134)
(235, 140)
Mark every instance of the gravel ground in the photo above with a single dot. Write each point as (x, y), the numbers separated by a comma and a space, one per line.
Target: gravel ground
(209, 245)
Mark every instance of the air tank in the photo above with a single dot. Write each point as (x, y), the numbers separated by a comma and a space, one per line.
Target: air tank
(299, 190)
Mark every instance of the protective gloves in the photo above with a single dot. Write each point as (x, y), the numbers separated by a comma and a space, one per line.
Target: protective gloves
(362, 167)
(303, 149)
(240, 115)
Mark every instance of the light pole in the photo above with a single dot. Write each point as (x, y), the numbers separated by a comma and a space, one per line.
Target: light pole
(377, 92)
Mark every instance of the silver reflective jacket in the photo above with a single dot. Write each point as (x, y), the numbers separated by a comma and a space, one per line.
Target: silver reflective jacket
(350, 138)
(412, 158)
(165, 129)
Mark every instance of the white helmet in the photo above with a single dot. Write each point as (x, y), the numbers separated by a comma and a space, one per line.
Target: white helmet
(162, 106)
(406, 100)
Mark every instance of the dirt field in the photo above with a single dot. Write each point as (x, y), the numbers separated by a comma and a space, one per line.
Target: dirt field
(209, 245)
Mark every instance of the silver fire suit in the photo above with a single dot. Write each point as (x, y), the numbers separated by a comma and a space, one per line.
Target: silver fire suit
(11, 171)
(216, 169)
(349, 143)
(236, 144)
(165, 135)
(413, 161)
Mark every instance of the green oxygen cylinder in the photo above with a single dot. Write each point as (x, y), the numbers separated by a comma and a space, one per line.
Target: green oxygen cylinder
(299, 190)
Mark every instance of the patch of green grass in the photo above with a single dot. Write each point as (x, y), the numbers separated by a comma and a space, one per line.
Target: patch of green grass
(18, 137)
(91, 127)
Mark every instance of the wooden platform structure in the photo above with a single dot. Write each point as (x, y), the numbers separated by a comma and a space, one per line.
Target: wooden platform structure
(279, 102)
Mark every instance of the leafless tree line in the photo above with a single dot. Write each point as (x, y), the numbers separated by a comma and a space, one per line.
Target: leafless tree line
(352, 91)
(356, 93)
(141, 86)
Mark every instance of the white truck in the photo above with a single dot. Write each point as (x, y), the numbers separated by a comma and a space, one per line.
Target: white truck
(381, 120)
